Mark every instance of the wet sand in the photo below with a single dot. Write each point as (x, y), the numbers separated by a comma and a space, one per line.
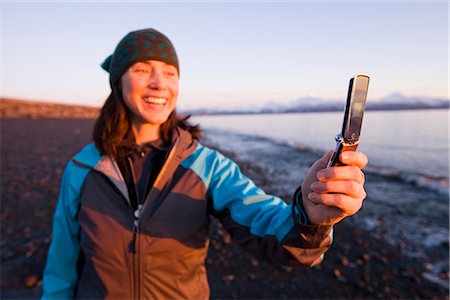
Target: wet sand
(396, 247)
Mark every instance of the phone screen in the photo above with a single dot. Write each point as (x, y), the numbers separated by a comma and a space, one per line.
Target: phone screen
(356, 108)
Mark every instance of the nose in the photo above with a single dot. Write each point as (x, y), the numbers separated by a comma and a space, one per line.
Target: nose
(156, 80)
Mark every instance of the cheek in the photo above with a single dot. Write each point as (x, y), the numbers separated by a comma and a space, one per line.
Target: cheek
(175, 90)
(174, 102)
(129, 92)
(127, 99)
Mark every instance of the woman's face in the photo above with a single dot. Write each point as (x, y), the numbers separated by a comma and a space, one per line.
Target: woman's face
(150, 91)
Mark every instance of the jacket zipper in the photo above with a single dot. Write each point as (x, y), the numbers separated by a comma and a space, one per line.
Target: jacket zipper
(137, 214)
(135, 252)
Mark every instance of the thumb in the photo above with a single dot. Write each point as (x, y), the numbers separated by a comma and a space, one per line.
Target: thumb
(322, 162)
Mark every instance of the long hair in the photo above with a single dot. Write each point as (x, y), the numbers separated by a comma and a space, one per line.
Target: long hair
(112, 132)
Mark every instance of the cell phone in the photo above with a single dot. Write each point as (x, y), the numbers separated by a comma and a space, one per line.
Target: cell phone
(348, 138)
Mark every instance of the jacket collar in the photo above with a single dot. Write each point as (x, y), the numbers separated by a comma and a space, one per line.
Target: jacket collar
(183, 145)
(90, 157)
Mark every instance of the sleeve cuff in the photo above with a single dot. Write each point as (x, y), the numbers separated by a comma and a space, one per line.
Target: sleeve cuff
(298, 210)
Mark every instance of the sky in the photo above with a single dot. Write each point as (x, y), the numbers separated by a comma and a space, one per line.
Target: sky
(232, 54)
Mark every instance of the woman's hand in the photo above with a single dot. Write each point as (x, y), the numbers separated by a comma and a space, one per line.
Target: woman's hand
(331, 194)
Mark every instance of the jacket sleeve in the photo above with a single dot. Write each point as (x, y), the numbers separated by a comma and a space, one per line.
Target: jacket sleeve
(262, 223)
(60, 273)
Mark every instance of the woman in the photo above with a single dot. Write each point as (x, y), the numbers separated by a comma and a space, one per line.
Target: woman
(133, 216)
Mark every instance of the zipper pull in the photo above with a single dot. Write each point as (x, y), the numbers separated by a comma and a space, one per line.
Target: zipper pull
(137, 214)
(138, 211)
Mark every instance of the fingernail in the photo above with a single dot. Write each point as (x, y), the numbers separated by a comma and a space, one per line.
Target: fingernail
(312, 197)
(320, 175)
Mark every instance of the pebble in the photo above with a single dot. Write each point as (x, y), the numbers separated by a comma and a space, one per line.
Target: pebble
(229, 277)
(226, 238)
(254, 262)
(337, 273)
(344, 261)
(31, 281)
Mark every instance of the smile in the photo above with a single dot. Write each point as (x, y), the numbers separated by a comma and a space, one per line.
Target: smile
(154, 100)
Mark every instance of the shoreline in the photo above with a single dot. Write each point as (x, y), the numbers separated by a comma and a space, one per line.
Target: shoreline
(373, 254)
(417, 228)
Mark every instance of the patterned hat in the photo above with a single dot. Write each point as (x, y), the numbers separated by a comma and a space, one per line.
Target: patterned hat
(140, 45)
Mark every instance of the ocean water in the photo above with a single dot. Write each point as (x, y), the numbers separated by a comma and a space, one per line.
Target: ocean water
(406, 215)
(410, 145)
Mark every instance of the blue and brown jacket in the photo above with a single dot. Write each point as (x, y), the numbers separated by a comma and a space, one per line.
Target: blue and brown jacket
(102, 248)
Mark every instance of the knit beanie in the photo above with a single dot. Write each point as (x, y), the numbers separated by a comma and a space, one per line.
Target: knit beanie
(140, 45)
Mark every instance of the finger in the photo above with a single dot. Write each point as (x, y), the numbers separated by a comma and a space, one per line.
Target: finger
(341, 173)
(354, 158)
(347, 187)
(343, 202)
(362, 179)
(322, 162)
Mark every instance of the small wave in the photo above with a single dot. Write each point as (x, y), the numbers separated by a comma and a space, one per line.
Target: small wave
(434, 183)
(303, 147)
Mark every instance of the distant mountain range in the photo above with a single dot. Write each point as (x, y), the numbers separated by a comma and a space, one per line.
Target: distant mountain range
(14, 108)
(395, 101)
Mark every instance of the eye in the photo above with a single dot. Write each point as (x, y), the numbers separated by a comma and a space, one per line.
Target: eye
(142, 70)
(171, 73)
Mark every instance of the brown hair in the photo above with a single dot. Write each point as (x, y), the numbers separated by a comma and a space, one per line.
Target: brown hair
(112, 132)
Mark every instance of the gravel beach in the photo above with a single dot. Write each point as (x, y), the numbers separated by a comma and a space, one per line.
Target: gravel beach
(395, 248)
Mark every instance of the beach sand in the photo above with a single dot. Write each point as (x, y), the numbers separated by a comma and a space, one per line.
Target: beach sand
(395, 247)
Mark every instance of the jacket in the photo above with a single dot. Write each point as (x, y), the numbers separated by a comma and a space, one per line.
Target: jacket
(102, 248)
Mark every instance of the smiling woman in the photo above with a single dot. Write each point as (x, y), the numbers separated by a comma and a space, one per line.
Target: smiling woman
(133, 215)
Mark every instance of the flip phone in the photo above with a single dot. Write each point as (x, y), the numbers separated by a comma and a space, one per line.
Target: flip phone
(348, 138)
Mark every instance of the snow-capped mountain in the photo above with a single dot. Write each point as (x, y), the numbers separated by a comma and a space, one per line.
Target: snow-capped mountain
(394, 101)
(399, 99)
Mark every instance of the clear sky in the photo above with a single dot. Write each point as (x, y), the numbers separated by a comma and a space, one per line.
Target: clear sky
(231, 53)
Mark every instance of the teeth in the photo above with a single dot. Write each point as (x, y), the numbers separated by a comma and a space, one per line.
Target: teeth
(155, 100)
